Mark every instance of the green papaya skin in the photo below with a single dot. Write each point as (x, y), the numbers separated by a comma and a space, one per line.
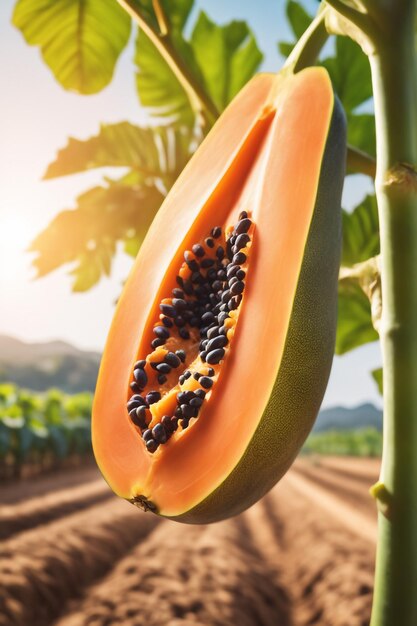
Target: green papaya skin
(308, 353)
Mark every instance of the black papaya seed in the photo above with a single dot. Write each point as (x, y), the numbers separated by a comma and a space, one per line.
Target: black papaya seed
(217, 342)
(215, 356)
(159, 433)
(206, 382)
(243, 226)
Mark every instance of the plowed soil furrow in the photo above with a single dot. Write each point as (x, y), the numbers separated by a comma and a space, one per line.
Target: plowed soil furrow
(326, 568)
(183, 576)
(362, 470)
(303, 556)
(15, 518)
(342, 510)
(42, 568)
(45, 484)
(360, 465)
(329, 565)
(341, 485)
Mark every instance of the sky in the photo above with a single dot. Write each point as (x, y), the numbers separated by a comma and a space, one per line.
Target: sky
(36, 119)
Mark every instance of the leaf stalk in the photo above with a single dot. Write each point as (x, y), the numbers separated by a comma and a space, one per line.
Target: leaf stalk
(359, 162)
(199, 99)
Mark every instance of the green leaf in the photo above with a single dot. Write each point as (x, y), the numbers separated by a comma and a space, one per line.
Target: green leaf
(221, 59)
(121, 210)
(59, 441)
(147, 150)
(5, 440)
(80, 40)
(361, 132)
(157, 85)
(350, 73)
(7, 394)
(298, 18)
(227, 57)
(377, 376)
(14, 423)
(87, 235)
(360, 232)
(354, 326)
(92, 265)
(360, 243)
(285, 48)
(26, 439)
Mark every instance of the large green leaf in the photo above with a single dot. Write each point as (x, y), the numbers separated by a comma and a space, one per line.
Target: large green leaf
(361, 132)
(220, 59)
(120, 210)
(298, 18)
(80, 40)
(87, 236)
(227, 57)
(155, 152)
(350, 73)
(157, 85)
(360, 232)
(354, 327)
(360, 243)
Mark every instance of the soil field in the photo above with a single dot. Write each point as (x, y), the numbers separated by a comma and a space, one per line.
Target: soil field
(72, 554)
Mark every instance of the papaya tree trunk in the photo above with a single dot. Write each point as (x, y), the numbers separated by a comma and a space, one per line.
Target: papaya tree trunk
(394, 79)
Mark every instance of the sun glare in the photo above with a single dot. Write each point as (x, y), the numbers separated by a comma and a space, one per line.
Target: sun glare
(15, 237)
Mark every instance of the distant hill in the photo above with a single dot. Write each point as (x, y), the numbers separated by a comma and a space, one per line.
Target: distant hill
(342, 418)
(39, 366)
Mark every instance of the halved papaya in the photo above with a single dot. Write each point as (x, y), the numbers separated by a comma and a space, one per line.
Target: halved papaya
(222, 342)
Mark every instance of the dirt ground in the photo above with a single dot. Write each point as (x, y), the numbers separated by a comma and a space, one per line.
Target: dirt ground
(72, 554)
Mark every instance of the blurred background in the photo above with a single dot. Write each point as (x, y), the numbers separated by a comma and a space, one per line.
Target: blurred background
(67, 243)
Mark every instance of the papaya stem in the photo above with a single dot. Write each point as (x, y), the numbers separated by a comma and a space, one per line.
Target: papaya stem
(199, 99)
(360, 162)
(305, 54)
(394, 78)
(308, 47)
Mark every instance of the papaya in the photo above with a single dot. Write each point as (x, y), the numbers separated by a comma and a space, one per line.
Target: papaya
(222, 341)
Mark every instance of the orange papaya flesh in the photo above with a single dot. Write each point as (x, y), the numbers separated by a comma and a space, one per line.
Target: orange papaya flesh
(281, 161)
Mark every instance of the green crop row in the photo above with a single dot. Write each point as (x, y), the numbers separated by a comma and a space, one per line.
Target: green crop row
(361, 442)
(40, 431)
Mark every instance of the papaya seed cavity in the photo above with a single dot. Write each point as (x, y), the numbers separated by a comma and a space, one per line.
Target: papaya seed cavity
(192, 335)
